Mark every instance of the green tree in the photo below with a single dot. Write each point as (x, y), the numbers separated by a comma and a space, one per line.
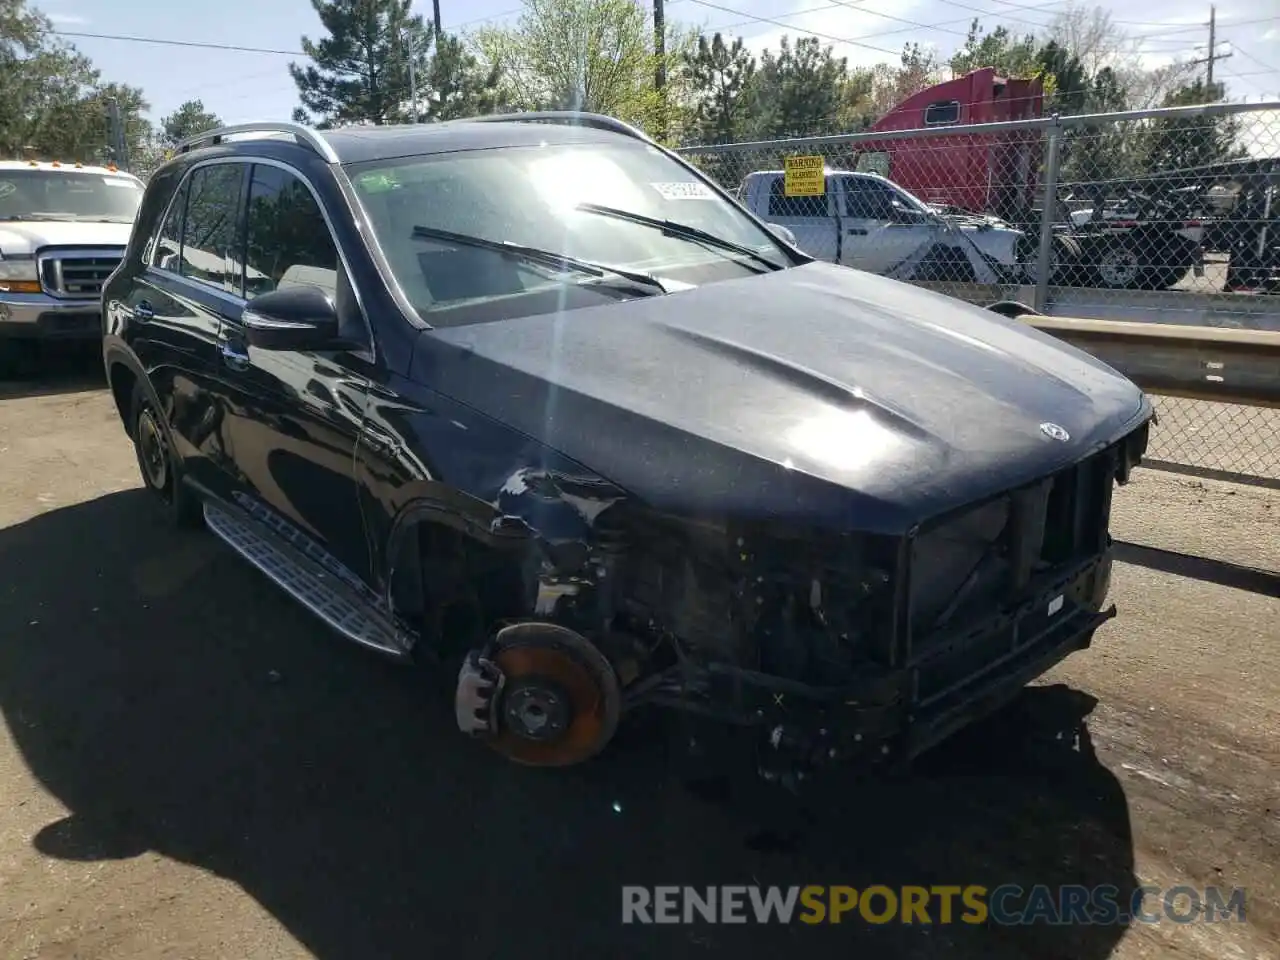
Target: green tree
(592, 55)
(1012, 56)
(360, 72)
(720, 77)
(459, 85)
(1194, 141)
(190, 119)
(799, 91)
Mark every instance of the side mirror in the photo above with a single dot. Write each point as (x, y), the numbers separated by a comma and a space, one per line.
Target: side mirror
(784, 233)
(297, 318)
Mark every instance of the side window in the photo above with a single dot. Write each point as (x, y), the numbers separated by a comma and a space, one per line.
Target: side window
(780, 205)
(168, 249)
(289, 243)
(938, 114)
(874, 162)
(867, 200)
(210, 247)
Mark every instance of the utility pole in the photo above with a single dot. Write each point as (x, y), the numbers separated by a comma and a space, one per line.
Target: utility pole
(115, 134)
(413, 76)
(1212, 55)
(435, 11)
(660, 71)
(660, 44)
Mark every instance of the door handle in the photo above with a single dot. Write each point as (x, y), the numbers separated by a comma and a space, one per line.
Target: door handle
(856, 232)
(142, 311)
(233, 356)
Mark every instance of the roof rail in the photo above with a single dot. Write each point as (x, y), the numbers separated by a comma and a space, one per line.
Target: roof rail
(572, 117)
(304, 135)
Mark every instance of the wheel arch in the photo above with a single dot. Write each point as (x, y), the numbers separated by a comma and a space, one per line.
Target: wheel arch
(454, 573)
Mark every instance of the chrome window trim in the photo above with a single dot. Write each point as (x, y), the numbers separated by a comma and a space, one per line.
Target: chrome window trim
(368, 354)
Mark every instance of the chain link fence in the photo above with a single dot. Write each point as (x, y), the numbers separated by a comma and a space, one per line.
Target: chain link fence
(1168, 215)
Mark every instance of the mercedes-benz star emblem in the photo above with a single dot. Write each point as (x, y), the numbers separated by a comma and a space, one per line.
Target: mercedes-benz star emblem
(1054, 432)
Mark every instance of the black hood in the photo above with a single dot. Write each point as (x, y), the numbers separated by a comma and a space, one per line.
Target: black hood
(817, 393)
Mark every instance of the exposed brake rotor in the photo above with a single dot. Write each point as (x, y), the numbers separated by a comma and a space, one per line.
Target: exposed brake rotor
(559, 698)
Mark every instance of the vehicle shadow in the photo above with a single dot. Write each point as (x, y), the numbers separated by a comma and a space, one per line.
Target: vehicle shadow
(48, 369)
(174, 701)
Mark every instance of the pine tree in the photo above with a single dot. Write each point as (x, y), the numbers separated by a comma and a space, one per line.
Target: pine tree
(360, 72)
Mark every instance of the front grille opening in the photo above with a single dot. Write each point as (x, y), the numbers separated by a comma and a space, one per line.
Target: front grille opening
(78, 276)
(987, 558)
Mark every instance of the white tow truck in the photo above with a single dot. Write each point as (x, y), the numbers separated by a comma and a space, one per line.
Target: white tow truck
(63, 230)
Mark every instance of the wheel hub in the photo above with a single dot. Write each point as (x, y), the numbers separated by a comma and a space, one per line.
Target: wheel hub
(155, 457)
(1120, 267)
(537, 709)
(542, 694)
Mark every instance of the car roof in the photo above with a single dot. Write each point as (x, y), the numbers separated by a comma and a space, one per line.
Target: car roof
(53, 166)
(360, 144)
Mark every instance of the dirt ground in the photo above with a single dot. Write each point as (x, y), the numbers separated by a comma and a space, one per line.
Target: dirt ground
(191, 767)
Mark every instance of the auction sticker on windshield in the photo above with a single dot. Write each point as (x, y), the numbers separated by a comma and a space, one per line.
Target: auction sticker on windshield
(804, 176)
(683, 191)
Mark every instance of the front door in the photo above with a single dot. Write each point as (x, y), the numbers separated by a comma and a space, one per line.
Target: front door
(294, 417)
(879, 231)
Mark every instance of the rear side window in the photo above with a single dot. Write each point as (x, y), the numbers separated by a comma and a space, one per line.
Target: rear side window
(780, 205)
(288, 241)
(168, 249)
(937, 114)
(210, 248)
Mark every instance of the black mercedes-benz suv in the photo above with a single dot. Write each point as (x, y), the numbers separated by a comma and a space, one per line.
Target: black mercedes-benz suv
(532, 399)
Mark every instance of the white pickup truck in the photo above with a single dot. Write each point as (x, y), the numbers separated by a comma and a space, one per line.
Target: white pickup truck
(865, 221)
(63, 230)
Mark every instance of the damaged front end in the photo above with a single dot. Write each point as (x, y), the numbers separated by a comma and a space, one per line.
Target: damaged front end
(826, 648)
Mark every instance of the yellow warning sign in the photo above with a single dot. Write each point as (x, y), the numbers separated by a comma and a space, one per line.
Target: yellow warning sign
(804, 176)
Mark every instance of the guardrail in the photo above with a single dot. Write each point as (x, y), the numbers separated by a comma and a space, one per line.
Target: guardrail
(1198, 363)
(1218, 390)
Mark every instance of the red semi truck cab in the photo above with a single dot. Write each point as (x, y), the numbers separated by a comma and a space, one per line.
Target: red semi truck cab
(984, 173)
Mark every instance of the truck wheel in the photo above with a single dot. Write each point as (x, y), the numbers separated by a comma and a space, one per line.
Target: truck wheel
(1063, 253)
(160, 466)
(1119, 267)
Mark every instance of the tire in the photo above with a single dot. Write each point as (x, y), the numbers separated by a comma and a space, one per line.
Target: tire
(1119, 267)
(1064, 253)
(159, 465)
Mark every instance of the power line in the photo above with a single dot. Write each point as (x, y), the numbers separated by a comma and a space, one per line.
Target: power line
(1249, 56)
(181, 43)
(788, 26)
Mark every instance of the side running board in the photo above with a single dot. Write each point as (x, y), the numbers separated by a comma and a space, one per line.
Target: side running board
(327, 596)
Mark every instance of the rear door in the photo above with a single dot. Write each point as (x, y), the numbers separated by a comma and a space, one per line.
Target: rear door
(175, 309)
(811, 219)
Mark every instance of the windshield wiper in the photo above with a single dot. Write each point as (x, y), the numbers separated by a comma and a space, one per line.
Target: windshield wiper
(536, 255)
(682, 231)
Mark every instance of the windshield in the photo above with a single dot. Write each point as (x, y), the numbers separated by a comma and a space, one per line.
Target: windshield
(66, 195)
(539, 197)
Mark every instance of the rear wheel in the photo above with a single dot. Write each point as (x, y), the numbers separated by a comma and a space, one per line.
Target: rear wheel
(160, 466)
(1119, 267)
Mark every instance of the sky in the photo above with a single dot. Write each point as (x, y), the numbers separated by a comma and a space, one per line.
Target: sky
(243, 86)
